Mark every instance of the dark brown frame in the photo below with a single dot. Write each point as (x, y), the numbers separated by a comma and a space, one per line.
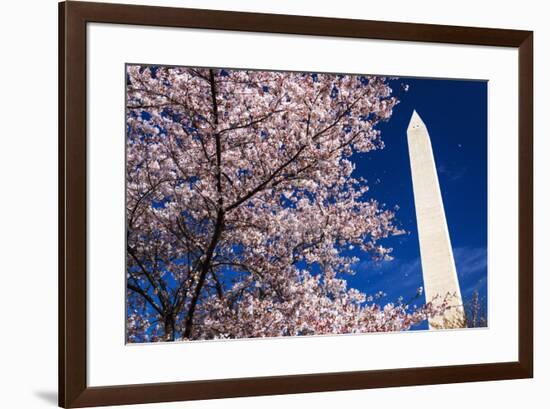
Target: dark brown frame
(73, 389)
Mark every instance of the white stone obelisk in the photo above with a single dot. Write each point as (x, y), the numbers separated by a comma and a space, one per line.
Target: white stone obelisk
(438, 265)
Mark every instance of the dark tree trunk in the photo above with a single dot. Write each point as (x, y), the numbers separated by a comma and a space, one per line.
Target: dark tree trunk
(205, 266)
(169, 328)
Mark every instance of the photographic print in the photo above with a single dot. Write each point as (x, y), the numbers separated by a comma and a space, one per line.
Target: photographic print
(274, 204)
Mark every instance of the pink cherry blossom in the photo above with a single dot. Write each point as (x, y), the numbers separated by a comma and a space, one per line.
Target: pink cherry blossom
(242, 205)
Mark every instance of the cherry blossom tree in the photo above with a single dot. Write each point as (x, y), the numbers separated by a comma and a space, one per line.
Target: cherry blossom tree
(242, 207)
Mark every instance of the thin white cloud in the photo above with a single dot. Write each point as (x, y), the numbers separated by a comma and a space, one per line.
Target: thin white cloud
(451, 174)
(470, 260)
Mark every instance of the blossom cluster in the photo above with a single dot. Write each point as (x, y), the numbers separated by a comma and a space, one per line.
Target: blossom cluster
(242, 203)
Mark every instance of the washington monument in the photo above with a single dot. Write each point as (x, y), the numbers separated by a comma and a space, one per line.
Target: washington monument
(438, 265)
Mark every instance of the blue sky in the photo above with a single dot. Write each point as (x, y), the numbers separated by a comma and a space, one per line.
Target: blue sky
(455, 112)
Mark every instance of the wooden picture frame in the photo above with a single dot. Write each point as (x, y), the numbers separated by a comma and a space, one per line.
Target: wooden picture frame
(73, 388)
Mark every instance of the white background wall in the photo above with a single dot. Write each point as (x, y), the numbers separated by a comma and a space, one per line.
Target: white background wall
(28, 205)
